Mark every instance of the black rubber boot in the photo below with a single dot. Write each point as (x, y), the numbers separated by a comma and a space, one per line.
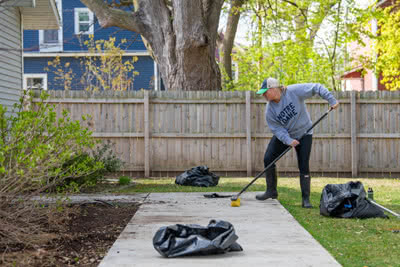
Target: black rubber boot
(305, 184)
(271, 181)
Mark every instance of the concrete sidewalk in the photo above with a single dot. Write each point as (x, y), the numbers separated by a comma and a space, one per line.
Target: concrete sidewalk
(269, 235)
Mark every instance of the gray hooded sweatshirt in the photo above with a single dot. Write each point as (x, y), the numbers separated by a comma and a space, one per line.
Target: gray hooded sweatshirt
(289, 119)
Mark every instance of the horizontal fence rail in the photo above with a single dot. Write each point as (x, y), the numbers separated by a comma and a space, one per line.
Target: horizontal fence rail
(166, 133)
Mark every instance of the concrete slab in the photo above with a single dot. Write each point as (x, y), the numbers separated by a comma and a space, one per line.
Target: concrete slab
(269, 235)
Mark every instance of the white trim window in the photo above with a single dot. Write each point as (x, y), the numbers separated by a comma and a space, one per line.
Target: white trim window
(52, 40)
(84, 20)
(35, 81)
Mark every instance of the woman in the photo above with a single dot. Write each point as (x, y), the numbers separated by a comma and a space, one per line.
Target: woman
(288, 119)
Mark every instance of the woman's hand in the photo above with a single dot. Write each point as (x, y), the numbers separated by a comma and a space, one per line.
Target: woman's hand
(336, 105)
(294, 143)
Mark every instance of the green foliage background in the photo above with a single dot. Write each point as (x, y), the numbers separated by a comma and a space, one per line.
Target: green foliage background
(294, 41)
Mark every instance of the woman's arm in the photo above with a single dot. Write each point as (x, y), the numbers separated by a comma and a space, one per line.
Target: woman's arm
(307, 90)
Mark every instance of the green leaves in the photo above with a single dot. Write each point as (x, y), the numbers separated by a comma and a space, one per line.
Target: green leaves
(36, 145)
(376, 30)
(288, 43)
(289, 61)
(104, 69)
(387, 48)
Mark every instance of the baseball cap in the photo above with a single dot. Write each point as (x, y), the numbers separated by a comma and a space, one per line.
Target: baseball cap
(267, 84)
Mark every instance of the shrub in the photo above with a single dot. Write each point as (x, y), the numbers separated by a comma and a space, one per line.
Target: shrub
(124, 180)
(102, 153)
(38, 152)
(35, 146)
(106, 155)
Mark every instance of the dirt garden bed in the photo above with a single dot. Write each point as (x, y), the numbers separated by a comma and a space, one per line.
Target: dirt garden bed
(80, 238)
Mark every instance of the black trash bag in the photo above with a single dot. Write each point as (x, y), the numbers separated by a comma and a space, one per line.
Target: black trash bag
(348, 201)
(192, 239)
(197, 176)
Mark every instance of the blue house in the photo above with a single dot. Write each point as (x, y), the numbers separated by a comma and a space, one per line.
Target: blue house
(68, 46)
(16, 16)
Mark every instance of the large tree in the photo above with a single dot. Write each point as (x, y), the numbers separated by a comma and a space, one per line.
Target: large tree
(181, 34)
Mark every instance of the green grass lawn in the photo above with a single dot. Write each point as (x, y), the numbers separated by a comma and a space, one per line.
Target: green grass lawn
(353, 242)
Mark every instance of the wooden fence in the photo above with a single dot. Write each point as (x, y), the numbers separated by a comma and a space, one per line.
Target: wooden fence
(164, 133)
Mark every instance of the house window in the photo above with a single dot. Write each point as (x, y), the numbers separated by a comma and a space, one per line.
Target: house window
(35, 81)
(52, 40)
(83, 21)
(50, 36)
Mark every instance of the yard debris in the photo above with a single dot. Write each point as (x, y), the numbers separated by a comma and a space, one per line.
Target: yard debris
(197, 176)
(348, 201)
(192, 239)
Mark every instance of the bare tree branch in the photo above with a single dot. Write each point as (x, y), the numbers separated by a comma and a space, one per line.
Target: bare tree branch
(324, 9)
(301, 9)
(145, 42)
(109, 17)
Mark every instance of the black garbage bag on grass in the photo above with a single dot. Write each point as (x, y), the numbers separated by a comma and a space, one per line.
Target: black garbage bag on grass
(192, 239)
(197, 176)
(348, 201)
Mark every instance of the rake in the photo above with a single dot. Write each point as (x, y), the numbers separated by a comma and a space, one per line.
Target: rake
(235, 200)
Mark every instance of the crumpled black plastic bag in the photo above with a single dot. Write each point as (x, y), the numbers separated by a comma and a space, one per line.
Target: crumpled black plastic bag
(348, 201)
(192, 239)
(197, 176)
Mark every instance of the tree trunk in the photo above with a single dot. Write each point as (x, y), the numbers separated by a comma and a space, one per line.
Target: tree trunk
(181, 33)
(229, 36)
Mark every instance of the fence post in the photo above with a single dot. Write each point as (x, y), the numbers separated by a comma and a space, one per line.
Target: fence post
(146, 135)
(248, 132)
(354, 148)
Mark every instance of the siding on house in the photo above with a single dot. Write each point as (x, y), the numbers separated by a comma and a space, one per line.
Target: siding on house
(144, 65)
(10, 56)
(73, 43)
(31, 41)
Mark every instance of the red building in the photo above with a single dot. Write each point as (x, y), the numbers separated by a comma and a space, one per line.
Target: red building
(360, 78)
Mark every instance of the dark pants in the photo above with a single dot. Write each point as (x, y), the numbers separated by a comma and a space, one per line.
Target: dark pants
(303, 150)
